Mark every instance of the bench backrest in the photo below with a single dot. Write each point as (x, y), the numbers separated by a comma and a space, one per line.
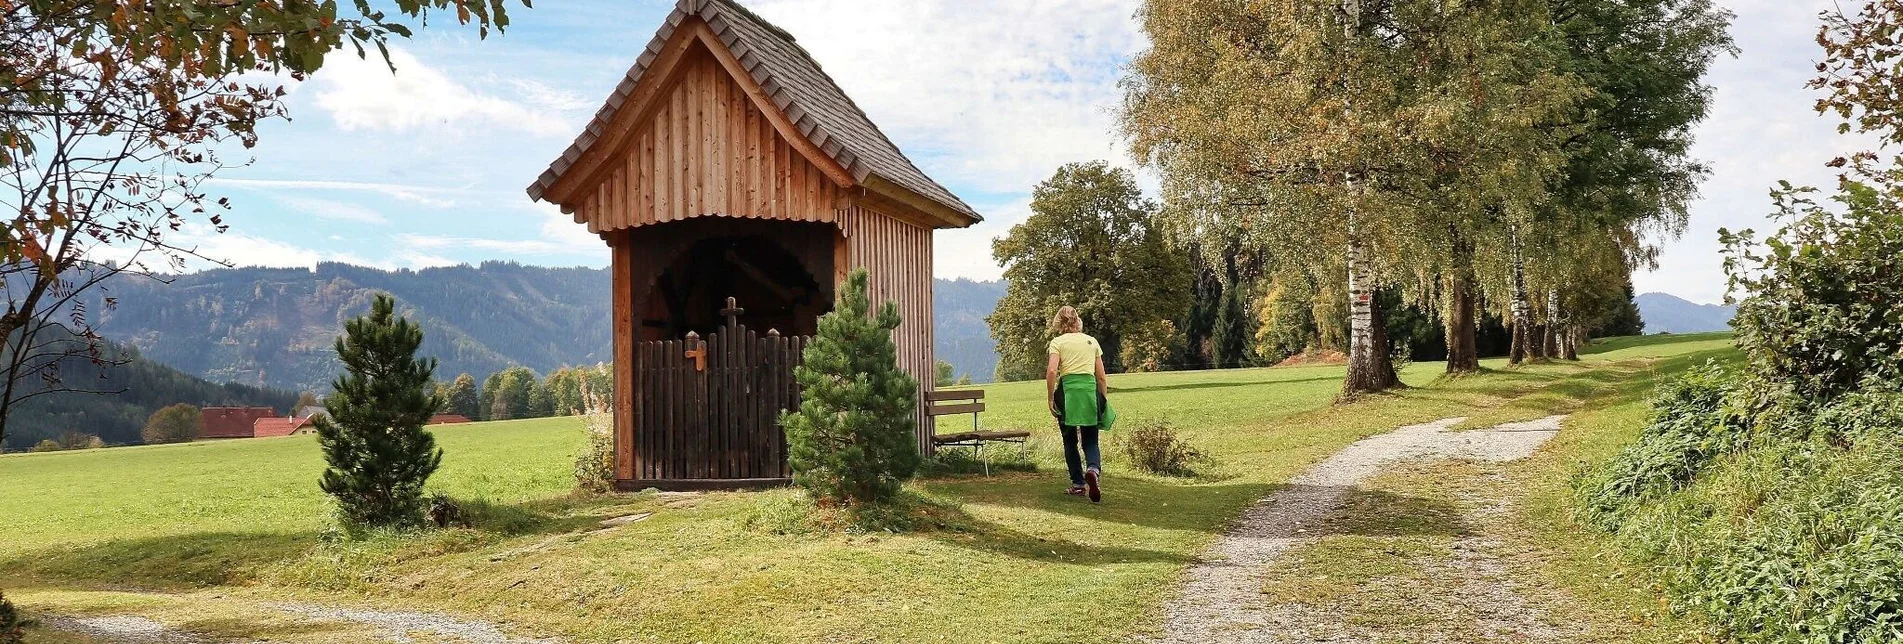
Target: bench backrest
(955, 401)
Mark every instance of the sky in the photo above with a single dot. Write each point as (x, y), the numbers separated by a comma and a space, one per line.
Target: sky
(427, 166)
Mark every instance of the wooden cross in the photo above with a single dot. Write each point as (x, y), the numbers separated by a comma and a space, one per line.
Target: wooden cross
(732, 312)
(698, 351)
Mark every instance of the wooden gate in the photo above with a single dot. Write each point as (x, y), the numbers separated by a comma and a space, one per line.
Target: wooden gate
(707, 410)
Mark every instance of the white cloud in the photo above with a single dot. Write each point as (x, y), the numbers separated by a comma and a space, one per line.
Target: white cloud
(424, 195)
(362, 94)
(559, 236)
(1762, 128)
(967, 252)
(203, 247)
(990, 95)
(333, 210)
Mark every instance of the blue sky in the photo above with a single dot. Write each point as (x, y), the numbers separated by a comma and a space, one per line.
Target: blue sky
(427, 167)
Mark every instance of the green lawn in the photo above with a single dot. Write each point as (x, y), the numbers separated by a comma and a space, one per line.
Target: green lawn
(1009, 559)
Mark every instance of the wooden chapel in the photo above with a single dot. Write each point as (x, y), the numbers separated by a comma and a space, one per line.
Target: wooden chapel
(736, 185)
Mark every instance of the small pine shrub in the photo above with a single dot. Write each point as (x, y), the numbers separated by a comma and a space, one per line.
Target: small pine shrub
(12, 625)
(373, 440)
(595, 464)
(851, 443)
(1154, 447)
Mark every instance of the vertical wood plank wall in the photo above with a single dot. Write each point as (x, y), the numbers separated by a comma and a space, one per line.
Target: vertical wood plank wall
(898, 255)
(707, 149)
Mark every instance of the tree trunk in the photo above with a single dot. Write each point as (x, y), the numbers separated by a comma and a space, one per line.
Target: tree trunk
(1569, 345)
(1550, 340)
(1369, 368)
(1463, 354)
(1522, 309)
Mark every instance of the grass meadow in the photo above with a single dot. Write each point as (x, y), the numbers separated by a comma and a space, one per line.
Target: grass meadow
(207, 536)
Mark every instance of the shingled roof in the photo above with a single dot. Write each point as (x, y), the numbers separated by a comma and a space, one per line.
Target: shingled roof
(803, 92)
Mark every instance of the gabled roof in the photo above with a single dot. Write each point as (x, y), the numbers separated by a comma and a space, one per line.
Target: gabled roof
(802, 91)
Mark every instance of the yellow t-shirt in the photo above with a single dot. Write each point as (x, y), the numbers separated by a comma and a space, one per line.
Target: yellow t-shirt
(1076, 353)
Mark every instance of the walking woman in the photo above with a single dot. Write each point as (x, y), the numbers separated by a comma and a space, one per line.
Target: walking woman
(1075, 383)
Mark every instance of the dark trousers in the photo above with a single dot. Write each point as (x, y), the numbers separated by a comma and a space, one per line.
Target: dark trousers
(1088, 434)
(1090, 458)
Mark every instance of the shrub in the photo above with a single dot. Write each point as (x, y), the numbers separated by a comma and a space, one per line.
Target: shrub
(12, 625)
(1825, 291)
(1692, 422)
(48, 445)
(373, 438)
(175, 424)
(444, 512)
(1154, 447)
(70, 439)
(851, 442)
(595, 465)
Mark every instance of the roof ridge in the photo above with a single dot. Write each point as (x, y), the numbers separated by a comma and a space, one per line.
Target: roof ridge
(797, 85)
(735, 5)
(850, 101)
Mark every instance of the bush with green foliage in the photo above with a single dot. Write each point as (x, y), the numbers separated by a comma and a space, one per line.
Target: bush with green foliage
(1770, 496)
(12, 625)
(852, 442)
(595, 464)
(1154, 447)
(373, 440)
(174, 424)
(1692, 423)
(1825, 314)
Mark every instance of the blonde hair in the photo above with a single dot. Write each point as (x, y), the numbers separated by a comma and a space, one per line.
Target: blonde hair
(1067, 321)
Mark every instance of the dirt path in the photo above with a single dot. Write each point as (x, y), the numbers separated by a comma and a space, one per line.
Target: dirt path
(1222, 600)
(401, 627)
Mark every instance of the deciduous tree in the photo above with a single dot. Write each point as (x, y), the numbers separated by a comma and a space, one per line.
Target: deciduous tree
(113, 116)
(1348, 133)
(172, 424)
(1091, 243)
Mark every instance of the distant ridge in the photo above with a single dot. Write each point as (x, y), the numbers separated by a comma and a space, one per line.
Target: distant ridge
(1667, 313)
(273, 327)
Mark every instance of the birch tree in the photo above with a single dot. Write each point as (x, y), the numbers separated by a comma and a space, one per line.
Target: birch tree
(1337, 133)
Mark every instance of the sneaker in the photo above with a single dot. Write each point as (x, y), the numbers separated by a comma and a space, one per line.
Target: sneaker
(1090, 483)
(1076, 490)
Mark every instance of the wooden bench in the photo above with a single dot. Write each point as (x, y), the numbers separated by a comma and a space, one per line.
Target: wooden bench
(967, 401)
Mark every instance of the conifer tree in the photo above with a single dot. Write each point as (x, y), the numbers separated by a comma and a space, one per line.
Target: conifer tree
(373, 439)
(852, 440)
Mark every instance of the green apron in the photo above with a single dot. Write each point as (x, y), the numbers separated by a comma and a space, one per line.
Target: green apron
(1077, 403)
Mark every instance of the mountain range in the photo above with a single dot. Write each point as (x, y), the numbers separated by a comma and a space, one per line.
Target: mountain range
(1667, 313)
(275, 327)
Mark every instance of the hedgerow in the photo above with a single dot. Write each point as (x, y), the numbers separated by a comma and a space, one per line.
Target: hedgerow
(1769, 497)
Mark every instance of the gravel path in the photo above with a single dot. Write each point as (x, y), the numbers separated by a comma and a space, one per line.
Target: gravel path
(393, 626)
(396, 626)
(121, 628)
(1220, 601)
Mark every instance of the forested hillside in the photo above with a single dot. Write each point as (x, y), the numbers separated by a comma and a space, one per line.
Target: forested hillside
(959, 331)
(275, 326)
(137, 387)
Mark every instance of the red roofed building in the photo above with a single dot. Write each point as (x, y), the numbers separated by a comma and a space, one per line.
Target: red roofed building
(230, 422)
(447, 419)
(282, 426)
